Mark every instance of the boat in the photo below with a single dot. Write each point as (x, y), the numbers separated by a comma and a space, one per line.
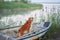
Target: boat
(39, 29)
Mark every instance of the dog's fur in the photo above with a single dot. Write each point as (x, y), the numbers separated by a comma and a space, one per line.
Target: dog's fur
(25, 27)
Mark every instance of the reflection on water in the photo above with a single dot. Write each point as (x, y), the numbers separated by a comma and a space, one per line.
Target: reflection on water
(6, 12)
(15, 17)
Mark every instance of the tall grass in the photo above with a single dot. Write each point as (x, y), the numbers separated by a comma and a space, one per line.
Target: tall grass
(54, 18)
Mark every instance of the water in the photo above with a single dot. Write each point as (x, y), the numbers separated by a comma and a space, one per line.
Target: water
(10, 18)
(17, 17)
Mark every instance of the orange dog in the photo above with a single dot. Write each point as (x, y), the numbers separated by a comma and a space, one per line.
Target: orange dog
(25, 27)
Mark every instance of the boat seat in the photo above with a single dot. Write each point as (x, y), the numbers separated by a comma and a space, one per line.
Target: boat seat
(46, 24)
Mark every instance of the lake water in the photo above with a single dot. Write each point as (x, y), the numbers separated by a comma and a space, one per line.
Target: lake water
(16, 17)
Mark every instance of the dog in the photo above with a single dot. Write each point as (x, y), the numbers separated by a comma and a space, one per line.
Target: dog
(25, 27)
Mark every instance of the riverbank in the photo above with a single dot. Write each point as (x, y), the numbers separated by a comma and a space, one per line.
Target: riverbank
(10, 5)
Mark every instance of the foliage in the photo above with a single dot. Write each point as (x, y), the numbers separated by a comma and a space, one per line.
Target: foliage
(9, 5)
(55, 27)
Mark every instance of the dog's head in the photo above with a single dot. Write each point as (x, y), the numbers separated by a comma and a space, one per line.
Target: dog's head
(31, 18)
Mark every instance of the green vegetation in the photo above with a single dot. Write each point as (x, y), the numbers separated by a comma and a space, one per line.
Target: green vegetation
(9, 5)
(54, 30)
